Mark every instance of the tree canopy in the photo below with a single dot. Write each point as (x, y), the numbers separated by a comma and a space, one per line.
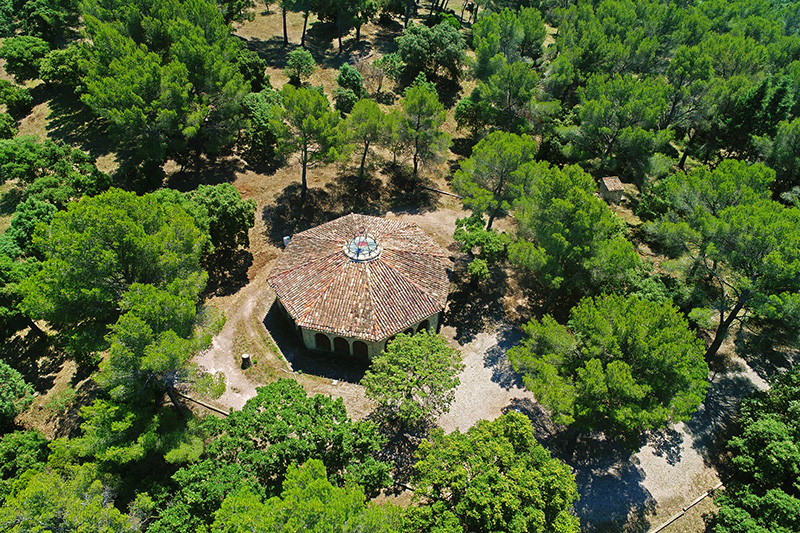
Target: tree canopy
(415, 379)
(761, 488)
(494, 477)
(621, 365)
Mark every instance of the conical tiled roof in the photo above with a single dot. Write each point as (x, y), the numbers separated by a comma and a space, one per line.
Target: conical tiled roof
(398, 283)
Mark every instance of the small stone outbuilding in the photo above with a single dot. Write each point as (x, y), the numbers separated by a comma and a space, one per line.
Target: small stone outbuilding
(349, 285)
(611, 189)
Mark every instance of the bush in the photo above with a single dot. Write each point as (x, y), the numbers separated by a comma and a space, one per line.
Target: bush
(18, 100)
(15, 394)
(23, 55)
(7, 126)
(253, 68)
(350, 78)
(344, 99)
(300, 65)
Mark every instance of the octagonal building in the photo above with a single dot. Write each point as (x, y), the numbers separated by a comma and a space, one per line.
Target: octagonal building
(351, 284)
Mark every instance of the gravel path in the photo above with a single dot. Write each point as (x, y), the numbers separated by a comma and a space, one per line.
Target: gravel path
(488, 385)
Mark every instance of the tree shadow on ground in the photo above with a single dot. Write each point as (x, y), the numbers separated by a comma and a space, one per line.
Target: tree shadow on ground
(10, 200)
(205, 171)
(326, 365)
(666, 442)
(713, 422)
(347, 193)
(35, 357)
(385, 36)
(769, 352)
(271, 50)
(72, 122)
(227, 271)
(607, 474)
(496, 358)
(474, 307)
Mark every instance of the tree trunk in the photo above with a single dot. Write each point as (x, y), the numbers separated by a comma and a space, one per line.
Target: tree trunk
(36, 330)
(408, 15)
(461, 16)
(682, 162)
(492, 217)
(358, 33)
(723, 327)
(305, 24)
(550, 299)
(285, 34)
(174, 399)
(304, 183)
(363, 160)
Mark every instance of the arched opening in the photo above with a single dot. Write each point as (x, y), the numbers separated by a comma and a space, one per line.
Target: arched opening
(386, 344)
(409, 331)
(322, 342)
(360, 349)
(341, 346)
(423, 325)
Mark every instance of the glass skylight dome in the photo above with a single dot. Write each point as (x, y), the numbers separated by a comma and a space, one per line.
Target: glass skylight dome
(362, 247)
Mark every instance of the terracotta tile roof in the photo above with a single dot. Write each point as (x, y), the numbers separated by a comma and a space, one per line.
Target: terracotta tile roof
(324, 289)
(612, 183)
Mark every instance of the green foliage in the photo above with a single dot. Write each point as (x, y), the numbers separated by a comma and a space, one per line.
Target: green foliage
(64, 501)
(20, 451)
(256, 446)
(506, 37)
(422, 118)
(568, 237)
(309, 502)
(618, 117)
(98, 248)
(262, 110)
(164, 77)
(51, 20)
(65, 68)
(415, 379)
(50, 171)
(731, 233)
(23, 55)
(18, 100)
(485, 246)
(308, 126)
(350, 78)
(18, 239)
(761, 487)
(391, 65)
(15, 394)
(622, 366)
(12, 273)
(365, 127)
(115, 434)
(431, 50)
(300, 65)
(8, 126)
(253, 68)
(489, 180)
(227, 217)
(494, 477)
(236, 10)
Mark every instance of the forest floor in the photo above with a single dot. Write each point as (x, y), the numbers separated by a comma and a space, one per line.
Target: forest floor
(619, 491)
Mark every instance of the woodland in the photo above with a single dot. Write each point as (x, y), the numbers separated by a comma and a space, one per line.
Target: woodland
(122, 224)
